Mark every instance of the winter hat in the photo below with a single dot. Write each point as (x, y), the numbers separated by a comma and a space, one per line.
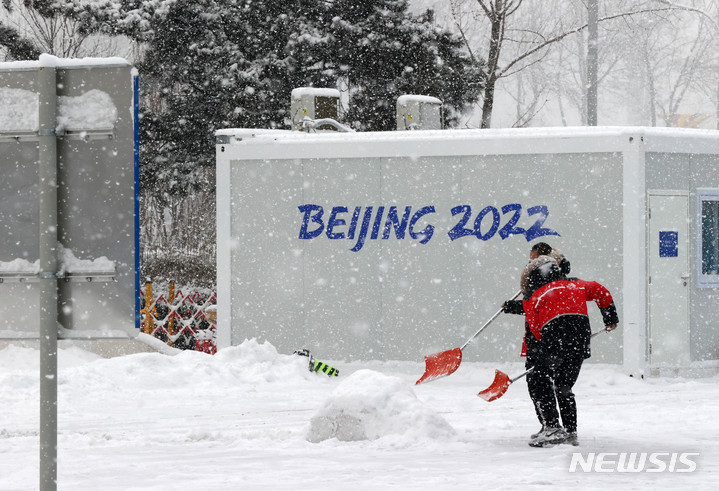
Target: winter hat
(541, 271)
(542, 249)
(562, 261)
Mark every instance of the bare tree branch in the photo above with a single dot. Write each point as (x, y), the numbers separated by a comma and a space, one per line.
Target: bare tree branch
(689, 8)
(564, 35)
(487, 12)
(460, 28)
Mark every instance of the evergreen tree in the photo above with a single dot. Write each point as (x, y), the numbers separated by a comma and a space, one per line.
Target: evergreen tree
(390, 53)
(212, 64)
(15, 45)
(229, 70)
(18, 45)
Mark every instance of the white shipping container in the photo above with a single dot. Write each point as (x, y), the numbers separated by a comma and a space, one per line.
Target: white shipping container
(396, 245)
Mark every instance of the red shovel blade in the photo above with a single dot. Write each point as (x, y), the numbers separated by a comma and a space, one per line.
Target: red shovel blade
(498, 388)
(441, 364)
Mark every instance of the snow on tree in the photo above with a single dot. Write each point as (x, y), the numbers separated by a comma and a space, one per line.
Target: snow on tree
(238, 67)
(385, 53)
(212, 64)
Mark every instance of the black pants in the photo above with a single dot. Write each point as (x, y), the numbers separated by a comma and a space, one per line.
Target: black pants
(537, 383)
(564, 347)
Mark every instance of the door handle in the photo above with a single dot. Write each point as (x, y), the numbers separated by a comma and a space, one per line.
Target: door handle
(685, 278)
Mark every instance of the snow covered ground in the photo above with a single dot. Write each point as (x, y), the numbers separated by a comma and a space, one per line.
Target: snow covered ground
(250, 418)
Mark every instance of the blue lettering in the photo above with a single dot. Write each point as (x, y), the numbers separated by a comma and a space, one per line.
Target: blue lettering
(393, 221)
(363, 230)
(460, 230)
(353, 223)
(428, 231)
(492, 229)
(316, 218)
(509, 228)
(364, 226)
(536, 230)
(336, 222)
(377, 223)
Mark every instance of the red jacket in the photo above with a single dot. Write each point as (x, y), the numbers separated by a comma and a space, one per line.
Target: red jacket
(563, 298)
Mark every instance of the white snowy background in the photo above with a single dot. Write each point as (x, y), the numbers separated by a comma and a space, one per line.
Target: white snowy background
(252, 418)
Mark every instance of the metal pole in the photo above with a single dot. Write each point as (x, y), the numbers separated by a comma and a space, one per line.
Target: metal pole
(149, 326)
(47, 169)
(592, 61)
(171, 302)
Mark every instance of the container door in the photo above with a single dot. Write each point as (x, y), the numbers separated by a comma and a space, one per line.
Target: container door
(669, 278)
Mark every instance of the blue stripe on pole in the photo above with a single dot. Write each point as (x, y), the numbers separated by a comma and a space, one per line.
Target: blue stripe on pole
(136, 132)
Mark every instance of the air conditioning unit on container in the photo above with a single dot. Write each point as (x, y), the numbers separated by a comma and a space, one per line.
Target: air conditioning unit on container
(312, 104)
(419, 112)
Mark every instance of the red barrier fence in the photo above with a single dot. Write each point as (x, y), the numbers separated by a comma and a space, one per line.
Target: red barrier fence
(183, 321)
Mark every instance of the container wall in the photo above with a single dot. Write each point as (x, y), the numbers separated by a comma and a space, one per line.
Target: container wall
(689, 172)
(314, 267)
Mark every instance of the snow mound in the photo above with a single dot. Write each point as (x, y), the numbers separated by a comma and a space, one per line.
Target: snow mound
(250, 366)
(368, 405)
(93, 110)
(15, 114)
(21, 359)
(252, 362)
(71, 264)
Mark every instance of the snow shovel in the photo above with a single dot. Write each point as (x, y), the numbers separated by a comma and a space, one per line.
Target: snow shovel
(500, 385)
(502, 381)
(447, 362)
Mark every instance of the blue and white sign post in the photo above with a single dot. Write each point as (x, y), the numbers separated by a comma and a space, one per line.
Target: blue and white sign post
(68, 214)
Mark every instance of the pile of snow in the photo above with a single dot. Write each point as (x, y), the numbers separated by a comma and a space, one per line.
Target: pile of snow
(92, 110)
(20, 265)
(71, 264)
(67, 263)
(368, 405)
(251, 366)
(239, 420)
(253, 363)
(19, 109)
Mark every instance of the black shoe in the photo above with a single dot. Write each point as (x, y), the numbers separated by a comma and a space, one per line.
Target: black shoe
(571, 439)
(535, 435)
(549, 437)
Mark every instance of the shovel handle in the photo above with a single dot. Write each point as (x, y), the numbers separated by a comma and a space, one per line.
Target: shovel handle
(502, 383)
(597, 333)
(496, 314)
(521, 375)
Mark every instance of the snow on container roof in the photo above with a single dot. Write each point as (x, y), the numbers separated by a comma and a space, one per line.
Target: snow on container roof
(504, 141)
(403, 100)
(46, 60)
(315, 91)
